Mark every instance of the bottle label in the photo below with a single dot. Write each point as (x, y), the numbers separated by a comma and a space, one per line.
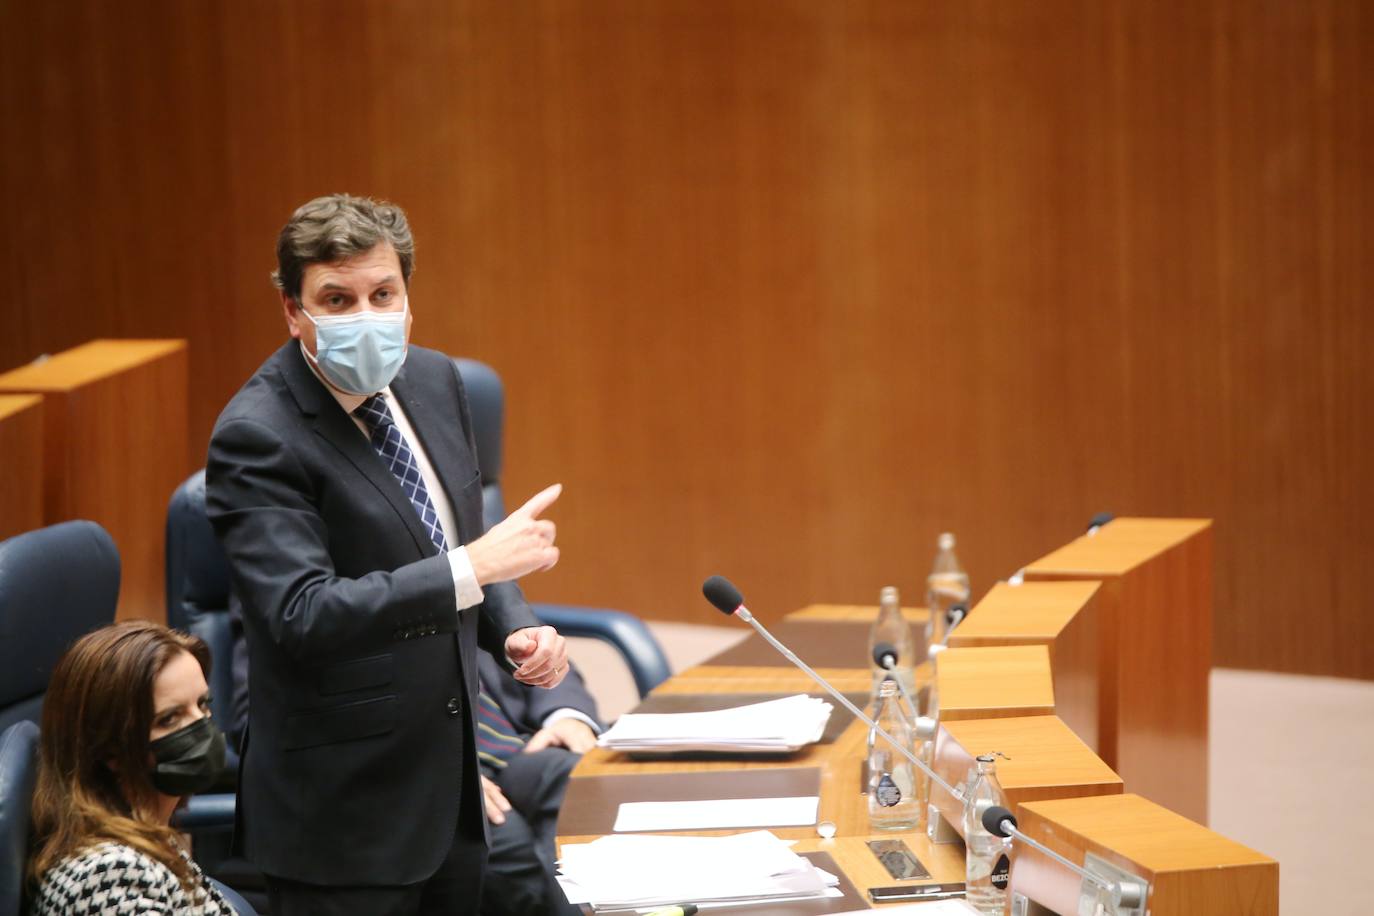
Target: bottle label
(1000, 873)
(888, 794)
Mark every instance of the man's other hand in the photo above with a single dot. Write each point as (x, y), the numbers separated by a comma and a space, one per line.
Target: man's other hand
(495, 801)
(520, 544)
(574, 734)
(540, 653)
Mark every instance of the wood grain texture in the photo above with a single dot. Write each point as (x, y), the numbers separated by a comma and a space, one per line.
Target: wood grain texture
(782, 288)
(114, 419)
(994, 681)
(1189, 868)
(21, 464)
(1155, 624)
(1061, 616)
(1046, 760)
(853, 613)
(723, 679)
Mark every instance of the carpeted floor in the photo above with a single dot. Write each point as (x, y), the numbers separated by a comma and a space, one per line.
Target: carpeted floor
(1290, 763)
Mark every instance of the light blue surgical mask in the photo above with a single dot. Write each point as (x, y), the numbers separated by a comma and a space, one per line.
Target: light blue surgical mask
(360, 353)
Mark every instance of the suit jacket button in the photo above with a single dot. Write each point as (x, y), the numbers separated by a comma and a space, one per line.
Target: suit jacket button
(453, 707)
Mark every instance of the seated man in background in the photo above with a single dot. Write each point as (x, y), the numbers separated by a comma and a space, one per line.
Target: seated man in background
(528, 741)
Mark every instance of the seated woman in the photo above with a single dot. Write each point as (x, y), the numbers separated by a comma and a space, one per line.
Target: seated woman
(126, 734)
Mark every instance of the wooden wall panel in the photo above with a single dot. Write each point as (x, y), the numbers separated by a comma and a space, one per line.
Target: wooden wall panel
(21, 464)
(780, 289)
(114, 440)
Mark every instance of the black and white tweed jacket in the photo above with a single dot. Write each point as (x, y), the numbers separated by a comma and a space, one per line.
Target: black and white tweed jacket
(110, 878)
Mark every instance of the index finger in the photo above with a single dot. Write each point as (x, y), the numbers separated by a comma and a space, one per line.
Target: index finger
(541, 500)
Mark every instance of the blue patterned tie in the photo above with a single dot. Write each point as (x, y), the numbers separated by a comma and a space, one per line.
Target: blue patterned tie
(395, 451)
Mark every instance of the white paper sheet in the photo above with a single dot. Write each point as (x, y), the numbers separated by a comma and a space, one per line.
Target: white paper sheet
(776, 726)
(637, 871)
(798, 811)
(923, 908)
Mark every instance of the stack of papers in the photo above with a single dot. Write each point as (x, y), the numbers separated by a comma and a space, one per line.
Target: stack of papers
(774, 726)
(628, 872)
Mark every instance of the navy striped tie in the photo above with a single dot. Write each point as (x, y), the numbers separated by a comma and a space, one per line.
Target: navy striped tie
(395, 451)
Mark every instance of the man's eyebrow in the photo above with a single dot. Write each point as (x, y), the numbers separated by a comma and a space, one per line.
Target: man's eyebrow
(388, 280)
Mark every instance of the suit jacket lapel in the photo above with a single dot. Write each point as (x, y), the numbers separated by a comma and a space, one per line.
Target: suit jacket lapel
(440, 433)
(337, 428)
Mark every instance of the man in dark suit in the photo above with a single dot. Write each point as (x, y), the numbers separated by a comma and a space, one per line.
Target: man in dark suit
(522, 790)
(342, 481)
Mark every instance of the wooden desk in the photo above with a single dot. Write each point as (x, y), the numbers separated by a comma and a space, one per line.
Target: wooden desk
(992, 682)
(1190, 869)
(853, 613)
(21, 464)
(1155, 620)
(1050, 766)
(114, 430)
(1046, 760)
(1061, 616)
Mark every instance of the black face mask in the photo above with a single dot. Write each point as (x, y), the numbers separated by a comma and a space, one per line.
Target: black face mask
(189, 760)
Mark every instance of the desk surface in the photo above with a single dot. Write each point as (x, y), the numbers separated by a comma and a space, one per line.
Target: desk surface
(604, 779)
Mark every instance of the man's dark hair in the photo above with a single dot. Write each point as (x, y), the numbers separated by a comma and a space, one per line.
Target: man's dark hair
(329, 229)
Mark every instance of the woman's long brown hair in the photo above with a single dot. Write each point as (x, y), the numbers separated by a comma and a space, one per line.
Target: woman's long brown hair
(93, 779)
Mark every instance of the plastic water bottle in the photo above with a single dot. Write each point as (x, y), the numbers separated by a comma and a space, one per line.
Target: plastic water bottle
(988, 860)
(893, 628)
(892, 801)
(946, 586)
(924, 731)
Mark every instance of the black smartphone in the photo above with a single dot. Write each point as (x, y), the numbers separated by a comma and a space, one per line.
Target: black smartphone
(916, 892)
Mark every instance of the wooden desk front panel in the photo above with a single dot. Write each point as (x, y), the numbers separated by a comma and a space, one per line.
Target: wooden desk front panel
(994, 681)
(1047, 760)
(21, 464)
(1064, 617)
(1155, 612)
(1191, 870)
(115, 421)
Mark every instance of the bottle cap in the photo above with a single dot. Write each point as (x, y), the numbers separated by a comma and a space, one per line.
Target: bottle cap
(946, 541)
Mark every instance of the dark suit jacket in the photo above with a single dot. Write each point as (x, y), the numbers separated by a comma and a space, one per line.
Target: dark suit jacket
(359, 743)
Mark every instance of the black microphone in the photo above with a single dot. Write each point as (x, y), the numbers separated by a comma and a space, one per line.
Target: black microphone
(1097, 521)
(1000, 822)
(729, 601)
(722, 593)
(953, 617)
(885, 656)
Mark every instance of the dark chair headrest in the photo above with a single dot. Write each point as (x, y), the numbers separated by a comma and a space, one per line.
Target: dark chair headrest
(56, 584)
(197, 569)
(487, 402)
(18, 774)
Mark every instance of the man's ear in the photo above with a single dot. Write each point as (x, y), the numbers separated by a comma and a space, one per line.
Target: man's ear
(291, 311)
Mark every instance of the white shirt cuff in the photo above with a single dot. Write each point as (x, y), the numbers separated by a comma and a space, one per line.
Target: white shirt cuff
(567, 712)
(465, 587)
